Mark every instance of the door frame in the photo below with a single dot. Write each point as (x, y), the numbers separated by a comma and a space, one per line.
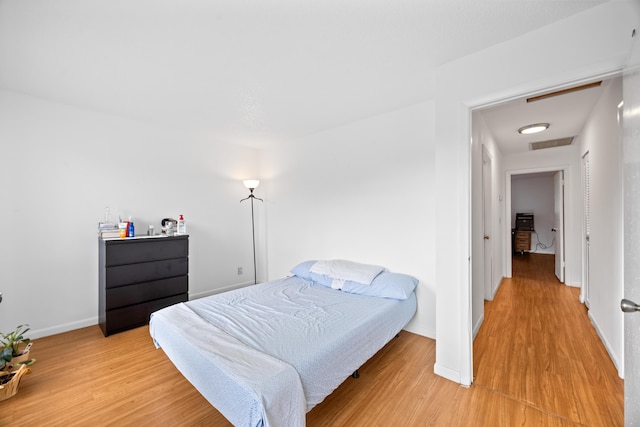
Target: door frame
(631, 288)
(487, 218)
(559, 226)
(507, 253)
(465, 109)
(584, 241)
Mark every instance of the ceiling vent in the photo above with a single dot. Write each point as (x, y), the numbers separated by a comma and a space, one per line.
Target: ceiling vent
(550, 143)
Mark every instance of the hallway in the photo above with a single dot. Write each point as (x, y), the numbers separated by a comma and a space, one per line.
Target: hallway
(538, 346)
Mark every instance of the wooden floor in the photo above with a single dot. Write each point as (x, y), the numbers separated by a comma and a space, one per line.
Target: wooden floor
(537, 346)
(538, 362)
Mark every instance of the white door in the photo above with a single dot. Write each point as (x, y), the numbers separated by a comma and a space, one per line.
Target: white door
(486, 208)
(558, 222)
(631, 183)
(586, 227)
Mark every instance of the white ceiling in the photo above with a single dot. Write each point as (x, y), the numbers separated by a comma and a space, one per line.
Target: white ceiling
(250, 71)
(566, 114)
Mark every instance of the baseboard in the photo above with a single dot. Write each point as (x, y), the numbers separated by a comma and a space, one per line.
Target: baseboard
(543, 252)
(476, 327)
(65, 327)
(607, 346)
(447, 373)
(219, 290)
(418, 329)
(495, 291)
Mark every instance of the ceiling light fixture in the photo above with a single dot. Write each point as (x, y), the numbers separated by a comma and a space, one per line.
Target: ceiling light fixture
(535, 128)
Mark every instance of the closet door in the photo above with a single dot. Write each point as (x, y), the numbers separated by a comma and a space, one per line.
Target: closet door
(558, 220)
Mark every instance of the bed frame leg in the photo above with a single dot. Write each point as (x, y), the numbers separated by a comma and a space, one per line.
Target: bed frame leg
(355, 374)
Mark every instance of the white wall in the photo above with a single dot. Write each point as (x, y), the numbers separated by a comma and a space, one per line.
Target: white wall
(573, 52)
(535, 194)
(601, 139)
(365, 192)
(61, 166)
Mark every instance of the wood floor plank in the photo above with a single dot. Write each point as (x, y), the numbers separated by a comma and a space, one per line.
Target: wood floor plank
(538, 362)
(538, 346)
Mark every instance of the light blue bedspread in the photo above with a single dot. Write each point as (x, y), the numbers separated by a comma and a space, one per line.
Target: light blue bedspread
(325, 334)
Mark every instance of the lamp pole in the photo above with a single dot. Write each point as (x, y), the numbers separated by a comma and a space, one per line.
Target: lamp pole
(251, 185)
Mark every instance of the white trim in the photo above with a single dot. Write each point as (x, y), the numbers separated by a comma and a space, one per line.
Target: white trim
(493, 296)
(621, 365)
(584, 291)
(487, 287)
(466, 345)
(92, 321)
(616, 361)
(193, 296)
(476, 328)
(65, 327)
(447, 373)
(533, 89)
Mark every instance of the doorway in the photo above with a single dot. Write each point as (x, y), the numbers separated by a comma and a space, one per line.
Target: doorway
(598, 135)
(540, 196)
(548, 193)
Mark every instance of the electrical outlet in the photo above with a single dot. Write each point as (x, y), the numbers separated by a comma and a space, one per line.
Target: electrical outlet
(239, 271)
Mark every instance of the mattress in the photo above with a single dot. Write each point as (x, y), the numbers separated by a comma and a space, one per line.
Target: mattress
(268, 353)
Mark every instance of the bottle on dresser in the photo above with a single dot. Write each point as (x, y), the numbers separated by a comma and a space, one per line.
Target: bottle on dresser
(182, 226)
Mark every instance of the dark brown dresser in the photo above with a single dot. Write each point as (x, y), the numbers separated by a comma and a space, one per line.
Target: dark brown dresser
(138, 276)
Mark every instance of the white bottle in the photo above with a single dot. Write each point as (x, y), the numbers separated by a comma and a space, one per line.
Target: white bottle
(182, 226)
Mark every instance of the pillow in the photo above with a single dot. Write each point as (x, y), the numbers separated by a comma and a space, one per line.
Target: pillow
(385, 285)
(303, 270)
(343, 270)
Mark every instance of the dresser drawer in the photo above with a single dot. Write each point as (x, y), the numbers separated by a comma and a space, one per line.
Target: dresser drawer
(121, 252)
(522, 241)
(123, 296)
(133, 316)
(129, 274)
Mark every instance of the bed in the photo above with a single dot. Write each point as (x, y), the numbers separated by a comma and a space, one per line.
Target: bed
(264, 355)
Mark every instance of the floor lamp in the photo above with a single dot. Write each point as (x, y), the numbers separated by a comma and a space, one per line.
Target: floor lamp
(252, 184)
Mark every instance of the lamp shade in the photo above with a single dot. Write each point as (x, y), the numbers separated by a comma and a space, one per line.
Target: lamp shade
(251, 184)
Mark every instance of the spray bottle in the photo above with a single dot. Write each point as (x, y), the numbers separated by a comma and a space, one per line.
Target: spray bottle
(130, 231)
(182, 226)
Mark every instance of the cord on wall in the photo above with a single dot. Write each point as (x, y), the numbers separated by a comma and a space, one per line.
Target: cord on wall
(541, 245)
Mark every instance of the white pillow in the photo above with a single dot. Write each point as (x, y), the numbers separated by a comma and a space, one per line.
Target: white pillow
(347, 270)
